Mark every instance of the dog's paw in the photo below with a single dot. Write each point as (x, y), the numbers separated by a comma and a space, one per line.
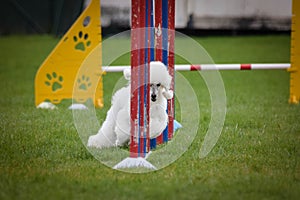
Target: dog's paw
(92, 141)
(118, 143)
(100, 141)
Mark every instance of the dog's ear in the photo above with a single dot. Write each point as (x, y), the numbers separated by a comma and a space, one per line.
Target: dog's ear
(168, 94)
(127, 74)
(168, 81)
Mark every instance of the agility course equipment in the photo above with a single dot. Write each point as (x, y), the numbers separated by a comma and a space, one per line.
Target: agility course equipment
(204, 67)
(55, 78)
(58, 77)
(152, 38)
(142, 22)
(295, 54)
(164, 51)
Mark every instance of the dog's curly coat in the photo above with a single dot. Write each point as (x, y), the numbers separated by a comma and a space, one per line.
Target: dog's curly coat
(115, 130)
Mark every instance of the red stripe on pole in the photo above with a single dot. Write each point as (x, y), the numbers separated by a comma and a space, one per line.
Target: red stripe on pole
(134, 78)
(171, 40)
(150, 41)
(158, 30)
(245, 66)
(195, 67)
(141, 115)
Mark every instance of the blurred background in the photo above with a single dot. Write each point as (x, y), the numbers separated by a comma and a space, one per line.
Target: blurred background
(193, 17)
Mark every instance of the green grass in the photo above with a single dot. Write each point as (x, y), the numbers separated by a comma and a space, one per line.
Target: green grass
(256, 157)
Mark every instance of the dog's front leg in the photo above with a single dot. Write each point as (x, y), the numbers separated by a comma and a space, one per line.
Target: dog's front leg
(106, 136)
(158, 120)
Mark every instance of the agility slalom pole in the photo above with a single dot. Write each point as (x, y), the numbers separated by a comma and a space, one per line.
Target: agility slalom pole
(164, 23)
(139, 96)
(141, 55)
(207, 67)
(295, 54)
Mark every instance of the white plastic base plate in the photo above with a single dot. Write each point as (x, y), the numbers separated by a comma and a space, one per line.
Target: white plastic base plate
(134, 163)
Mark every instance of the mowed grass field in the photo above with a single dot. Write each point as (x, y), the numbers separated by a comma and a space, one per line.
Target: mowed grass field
(256, 157)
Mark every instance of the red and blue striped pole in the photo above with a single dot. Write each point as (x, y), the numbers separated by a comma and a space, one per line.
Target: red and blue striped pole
(142, 52)
(143, 38)
(164, 52)
(137, 65)
(158, 52)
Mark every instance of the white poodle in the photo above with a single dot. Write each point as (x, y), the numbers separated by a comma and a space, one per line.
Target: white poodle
(115, 130)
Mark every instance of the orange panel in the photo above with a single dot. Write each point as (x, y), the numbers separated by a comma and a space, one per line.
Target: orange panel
(295, 55)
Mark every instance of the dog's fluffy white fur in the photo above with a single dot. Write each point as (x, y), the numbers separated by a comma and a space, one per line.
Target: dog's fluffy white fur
(115, 130)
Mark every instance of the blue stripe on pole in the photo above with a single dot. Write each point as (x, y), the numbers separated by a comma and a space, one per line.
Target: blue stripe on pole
(165, 31)
(153, 143)
(152, 54)
(165, 47)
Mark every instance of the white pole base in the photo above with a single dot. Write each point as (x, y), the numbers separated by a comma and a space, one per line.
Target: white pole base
(134, 163)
